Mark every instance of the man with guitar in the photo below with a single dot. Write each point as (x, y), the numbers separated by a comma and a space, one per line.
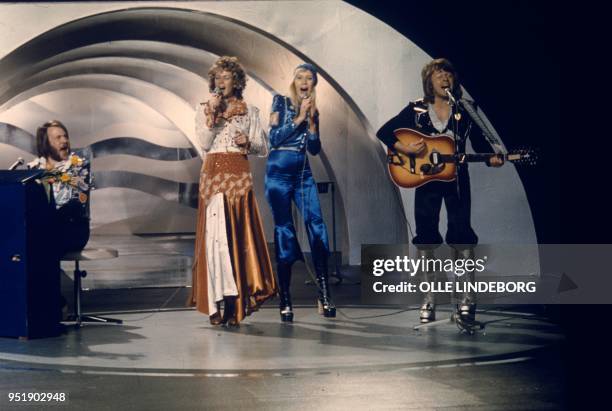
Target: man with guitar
(434, 116)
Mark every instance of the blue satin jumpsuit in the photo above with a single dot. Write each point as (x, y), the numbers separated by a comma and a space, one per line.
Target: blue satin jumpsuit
(289, 178)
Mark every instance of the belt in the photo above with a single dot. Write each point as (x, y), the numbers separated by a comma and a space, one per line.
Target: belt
(286, 148)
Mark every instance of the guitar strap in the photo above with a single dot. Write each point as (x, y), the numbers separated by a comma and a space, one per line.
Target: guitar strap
(489, 134)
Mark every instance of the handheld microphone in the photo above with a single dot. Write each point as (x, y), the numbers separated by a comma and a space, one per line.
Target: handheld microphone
(16, 164)
(218, 94)
(305, 95)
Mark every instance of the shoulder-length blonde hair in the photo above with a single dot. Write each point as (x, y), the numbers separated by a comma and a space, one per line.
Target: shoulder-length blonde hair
(296, 99)
(231, 64)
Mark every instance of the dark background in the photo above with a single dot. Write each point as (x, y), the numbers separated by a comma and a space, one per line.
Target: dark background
(507, 55)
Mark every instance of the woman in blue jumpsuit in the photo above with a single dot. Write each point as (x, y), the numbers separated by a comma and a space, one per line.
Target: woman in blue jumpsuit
(294, 129)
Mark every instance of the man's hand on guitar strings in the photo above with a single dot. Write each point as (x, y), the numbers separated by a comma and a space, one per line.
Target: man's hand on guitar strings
(412, 148)
(496, 161)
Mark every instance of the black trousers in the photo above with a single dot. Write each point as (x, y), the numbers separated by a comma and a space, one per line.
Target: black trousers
(427, 204)
(72, 229)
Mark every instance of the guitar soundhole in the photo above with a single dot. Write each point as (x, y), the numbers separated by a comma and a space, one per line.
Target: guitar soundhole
(435, 166)
(430, 169)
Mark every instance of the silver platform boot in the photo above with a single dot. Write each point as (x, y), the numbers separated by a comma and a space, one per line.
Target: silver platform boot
(466, 309)
(427, 312)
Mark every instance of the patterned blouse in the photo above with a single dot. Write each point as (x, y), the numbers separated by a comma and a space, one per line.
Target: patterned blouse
(70, 180)
(220, 137)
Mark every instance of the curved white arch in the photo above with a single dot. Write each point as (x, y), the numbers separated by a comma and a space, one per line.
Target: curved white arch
(137, 89)
(372, 64)
(59, 99)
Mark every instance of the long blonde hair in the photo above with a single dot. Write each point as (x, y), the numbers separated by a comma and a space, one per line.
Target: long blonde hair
(296, 99)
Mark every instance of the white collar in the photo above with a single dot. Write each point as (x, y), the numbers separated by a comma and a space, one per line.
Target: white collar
(435, 120)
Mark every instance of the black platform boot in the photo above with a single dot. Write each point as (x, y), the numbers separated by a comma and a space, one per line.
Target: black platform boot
(229, 312)
(284, 282)
(325, 304)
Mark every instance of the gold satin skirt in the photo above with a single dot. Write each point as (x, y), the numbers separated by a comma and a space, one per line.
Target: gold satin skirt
(230, 174)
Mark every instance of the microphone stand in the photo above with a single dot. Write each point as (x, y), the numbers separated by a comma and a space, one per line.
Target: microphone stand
(452, 102)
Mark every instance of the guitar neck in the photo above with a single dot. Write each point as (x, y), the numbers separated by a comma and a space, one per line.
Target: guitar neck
(472, 158)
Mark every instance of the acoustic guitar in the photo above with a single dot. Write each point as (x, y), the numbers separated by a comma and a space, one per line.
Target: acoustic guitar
(438, 161)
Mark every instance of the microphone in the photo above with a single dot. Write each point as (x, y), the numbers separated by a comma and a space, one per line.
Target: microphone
(217, 93)
(451, 98)
(16, 164)
(305, 95)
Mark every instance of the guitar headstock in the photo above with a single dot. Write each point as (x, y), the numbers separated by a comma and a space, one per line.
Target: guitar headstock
(523, 156)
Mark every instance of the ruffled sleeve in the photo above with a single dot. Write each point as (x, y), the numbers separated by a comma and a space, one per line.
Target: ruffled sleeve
(205, 135)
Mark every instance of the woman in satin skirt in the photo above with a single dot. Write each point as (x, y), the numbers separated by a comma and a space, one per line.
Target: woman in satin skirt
(231, 260)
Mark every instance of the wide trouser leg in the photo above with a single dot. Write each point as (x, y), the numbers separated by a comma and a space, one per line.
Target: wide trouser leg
(279, 193)
(458, 210)
(427, 205)
(307, 200)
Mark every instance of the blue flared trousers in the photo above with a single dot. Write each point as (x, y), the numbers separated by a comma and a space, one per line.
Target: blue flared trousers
(289, 178)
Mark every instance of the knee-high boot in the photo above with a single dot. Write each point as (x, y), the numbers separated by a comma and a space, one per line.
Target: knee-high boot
(324, 302)
(467, 305)
(284, 282)
(427, 312)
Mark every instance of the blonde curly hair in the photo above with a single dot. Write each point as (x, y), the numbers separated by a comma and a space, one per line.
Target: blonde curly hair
(231, 64)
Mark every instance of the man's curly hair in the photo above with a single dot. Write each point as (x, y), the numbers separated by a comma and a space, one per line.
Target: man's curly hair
(231, 64)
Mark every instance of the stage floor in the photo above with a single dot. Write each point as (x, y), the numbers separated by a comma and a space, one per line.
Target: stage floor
(360, 338)
(367, 358)
(372, 361)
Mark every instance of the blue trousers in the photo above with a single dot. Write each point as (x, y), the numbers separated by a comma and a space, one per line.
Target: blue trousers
(289, 178)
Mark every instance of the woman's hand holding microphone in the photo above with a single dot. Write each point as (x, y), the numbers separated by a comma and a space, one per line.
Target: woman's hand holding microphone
(306, 112)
